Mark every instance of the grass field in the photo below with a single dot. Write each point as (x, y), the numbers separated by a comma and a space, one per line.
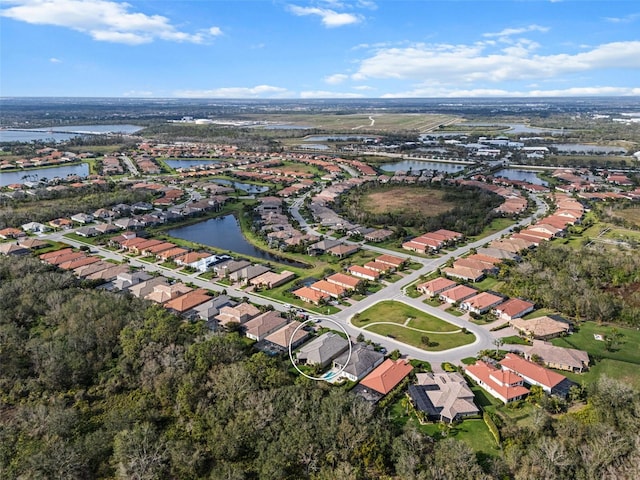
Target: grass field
(403, 199)
(624, 371)
(584, 340)
(397, 312)
(442, 335)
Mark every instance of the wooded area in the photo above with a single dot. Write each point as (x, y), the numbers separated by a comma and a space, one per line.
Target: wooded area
(585, 283)
(101, 385)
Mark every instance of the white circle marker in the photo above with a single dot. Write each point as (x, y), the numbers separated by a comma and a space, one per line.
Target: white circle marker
(319, 379)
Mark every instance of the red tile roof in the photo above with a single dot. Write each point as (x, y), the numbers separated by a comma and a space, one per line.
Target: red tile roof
(533, 371)
(389, 374)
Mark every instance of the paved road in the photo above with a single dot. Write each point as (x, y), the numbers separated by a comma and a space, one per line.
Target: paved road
(395, 291)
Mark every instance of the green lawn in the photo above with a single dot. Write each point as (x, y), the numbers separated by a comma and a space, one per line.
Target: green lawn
(584, 340)
(398, 312)
(489, 283)
(624, 371)
(437, 341)
(474, 432)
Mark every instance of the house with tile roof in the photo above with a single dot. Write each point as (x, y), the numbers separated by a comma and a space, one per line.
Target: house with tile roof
(144, 288)
(504, 385)
(164, 293)
(481, 303)
(534, 374)
(362, 272)
(240, 313)
(285, 336)
(457, 294)
(309, 295)
(263, 325)
(542, 328)
(443, 396)
(332, 289)
(514, 308)
(182, 304)
(272, 279)
(558, 358)
(345, 281)
(12, 249)
(464, 273)
(436, 286)
(391, 260)
(389, 374)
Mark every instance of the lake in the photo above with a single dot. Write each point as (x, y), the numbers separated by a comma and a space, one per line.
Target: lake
(58, 133)
(247, 187)
(189, 163)
(584, 148)
(35, 174)
(528, 176)
(334, 138)
(416, 165)
(224, 233)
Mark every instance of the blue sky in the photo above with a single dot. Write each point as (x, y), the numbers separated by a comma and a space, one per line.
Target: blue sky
(319, 49)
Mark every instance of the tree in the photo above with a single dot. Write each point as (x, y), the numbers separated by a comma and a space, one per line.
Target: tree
(140, 453)
(498, 342)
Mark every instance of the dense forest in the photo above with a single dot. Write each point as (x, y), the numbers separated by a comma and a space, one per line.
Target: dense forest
(586, 283)
(472, 213)
(102, 385)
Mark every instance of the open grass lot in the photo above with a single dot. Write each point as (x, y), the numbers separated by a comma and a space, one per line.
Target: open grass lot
(360, 123)
(403, 199)
(398, 312)
(421, 324)
(629, 350)
(495, 226)
(437, 341)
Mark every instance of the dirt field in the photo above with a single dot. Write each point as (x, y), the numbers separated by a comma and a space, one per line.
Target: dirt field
(402, 199)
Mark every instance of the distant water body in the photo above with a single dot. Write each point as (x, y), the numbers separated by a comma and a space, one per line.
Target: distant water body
(63, 133)
(38, 174)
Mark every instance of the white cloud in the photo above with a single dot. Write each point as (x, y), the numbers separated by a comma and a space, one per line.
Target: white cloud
(103, 20)
(443, 92)
(363, 87)
(138, 93)
(55, 60)
(628, 19)
(326, 94)
(330, 18)
(336, 78)
(467, 64)
(259, 91)
(517, 31)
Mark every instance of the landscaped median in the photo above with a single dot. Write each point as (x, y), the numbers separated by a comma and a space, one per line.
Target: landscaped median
(408, 325)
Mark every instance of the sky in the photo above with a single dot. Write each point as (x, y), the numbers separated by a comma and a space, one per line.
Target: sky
(302, 49)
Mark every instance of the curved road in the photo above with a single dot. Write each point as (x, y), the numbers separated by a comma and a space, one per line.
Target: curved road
(393, 291)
